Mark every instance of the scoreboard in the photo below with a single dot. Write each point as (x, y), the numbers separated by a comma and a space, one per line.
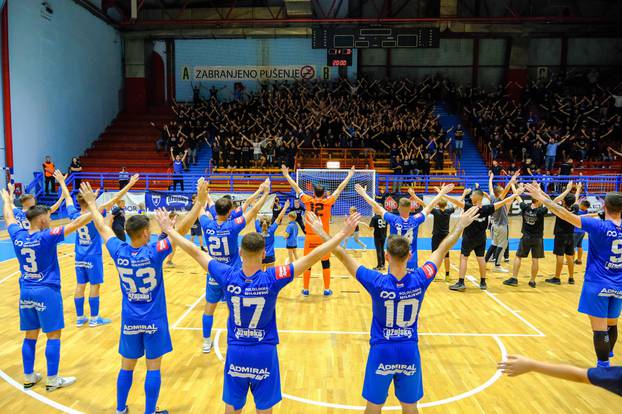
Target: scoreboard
(381, 37)
(339, 57)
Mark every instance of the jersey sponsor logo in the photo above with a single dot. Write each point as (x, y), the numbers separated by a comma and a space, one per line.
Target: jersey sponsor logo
(613, 233)
(32, 276)
(418, 216)
(236, 290)
(139, 297)
(56, 231)
(84, 264)
(18, 243)
(162, 245)
(149, 329)
(392, 369)
(249, 333)
(239, 220)
(257, 374)
(395, 333)
(32, 304)
(610, 293)
(387, 295)
(429, 271)
(283, 272)
(123, 262)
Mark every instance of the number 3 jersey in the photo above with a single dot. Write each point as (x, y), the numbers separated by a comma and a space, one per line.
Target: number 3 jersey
(37, 255)
(604, 258)
(251, 301)
(222, 239)
(140, 273)
(396, 303)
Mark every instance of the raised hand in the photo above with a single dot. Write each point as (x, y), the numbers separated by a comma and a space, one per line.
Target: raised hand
(285, 170)
(134, 179)
(286, 205)
(351, 172)
(534, 190)
(59, 177)
(5, 196)
(360, 189)
(87, 193)
(411, 191)
(569, 185)
(469, 217)
(446, 189)
(314, 222)
(202, 192)
(166, 224)
(351, 222)
(11, 188)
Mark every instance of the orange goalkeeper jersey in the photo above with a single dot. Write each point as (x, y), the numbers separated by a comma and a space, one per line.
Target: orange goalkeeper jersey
(321, 207)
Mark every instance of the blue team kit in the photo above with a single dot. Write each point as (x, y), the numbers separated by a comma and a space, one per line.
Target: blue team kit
(89, 264)
(407, 228)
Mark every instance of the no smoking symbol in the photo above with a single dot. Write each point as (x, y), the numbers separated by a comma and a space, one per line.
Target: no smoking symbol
(307, 72)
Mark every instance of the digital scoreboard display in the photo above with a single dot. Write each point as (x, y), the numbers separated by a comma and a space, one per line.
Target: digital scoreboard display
(339, 57)
(374, 38)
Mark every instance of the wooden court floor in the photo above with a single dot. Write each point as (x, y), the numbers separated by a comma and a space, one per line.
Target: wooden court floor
(324, 345)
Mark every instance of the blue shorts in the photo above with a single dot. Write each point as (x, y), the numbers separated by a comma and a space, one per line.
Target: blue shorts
(140, 338)
(90, 269)
(213, 291)
(595, 302)
(41, 307)
(254, 367)
(397, 362)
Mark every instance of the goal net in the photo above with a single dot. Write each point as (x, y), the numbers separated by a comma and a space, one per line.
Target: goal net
(330, 180)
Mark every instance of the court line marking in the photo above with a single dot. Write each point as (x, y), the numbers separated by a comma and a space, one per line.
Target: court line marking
(187, 312)
(37, 396)
(444, 401)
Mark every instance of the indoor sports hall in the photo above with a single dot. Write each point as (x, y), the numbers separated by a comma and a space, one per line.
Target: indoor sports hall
(310, 206)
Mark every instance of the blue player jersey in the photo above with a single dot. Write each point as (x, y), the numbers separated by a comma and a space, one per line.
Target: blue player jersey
(20, 216)
(221, 240)
(88, 240)
(235, 213)
(251, 301)
(396, 303)
(408, 228)
(140, 274)
(604, 256)
(269, 236)
(37, 255)
(292, 234)
(580, 213)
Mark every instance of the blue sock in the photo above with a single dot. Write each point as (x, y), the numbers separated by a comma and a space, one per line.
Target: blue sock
(79, 306)
(152, 390)
(52, 355)
(28, 355)
(94, 305)
(208, 322)
(124, 383)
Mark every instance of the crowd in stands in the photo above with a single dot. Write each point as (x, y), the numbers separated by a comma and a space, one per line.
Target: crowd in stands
(556, 123)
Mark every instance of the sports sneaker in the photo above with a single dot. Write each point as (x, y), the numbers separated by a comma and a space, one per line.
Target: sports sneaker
(482, 284)
(578, 262)
(207, 345)
(458, 287)
(328, 292)
(506, 260)
(31, 380)
(305, 292)
(80, 322)
(553, 281)
(364, 249)
(99, 321)
(571, 281)
(58, 382)
(158, 411)
(126, 410)
(532, 284)
(499, 269)
(511, 281)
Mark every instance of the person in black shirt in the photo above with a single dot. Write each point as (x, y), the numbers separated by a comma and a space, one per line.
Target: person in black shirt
(75, 167)
(564, 237)
(532, 240)
(566, 167)
(276, 209)
(474, 236)
(440, 229)
(380, 234)
(299, 209)
(118, 219)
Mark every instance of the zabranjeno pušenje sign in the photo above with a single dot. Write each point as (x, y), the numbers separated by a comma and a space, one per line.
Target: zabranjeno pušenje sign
(239, 73)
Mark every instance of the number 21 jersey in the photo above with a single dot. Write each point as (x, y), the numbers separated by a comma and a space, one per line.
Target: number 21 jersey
(395, 303)
(221, 239)
(140, 273)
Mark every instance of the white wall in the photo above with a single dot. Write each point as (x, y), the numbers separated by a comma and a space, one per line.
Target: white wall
(66, 74)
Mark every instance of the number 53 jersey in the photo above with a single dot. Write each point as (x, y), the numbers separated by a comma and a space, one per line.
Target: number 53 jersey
(140, 274)
(396, 303)
(252, 301)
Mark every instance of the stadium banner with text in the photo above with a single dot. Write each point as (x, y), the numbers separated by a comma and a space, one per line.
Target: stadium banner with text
(244, 73)
(133, 201)
(173, 201)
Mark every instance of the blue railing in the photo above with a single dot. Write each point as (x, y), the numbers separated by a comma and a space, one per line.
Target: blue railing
(592, 184)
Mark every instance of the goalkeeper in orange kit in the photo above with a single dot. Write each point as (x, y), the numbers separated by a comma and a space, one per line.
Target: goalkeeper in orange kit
(321, 206)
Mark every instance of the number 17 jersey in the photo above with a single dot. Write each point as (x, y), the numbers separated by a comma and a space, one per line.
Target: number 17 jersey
(396, 303)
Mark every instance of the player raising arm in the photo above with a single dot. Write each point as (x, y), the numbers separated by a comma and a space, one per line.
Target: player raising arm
(396, 302)
(601, 295)
(404, 224)
(40, 299)
(144, 321)
(252, 360)
(321, 206)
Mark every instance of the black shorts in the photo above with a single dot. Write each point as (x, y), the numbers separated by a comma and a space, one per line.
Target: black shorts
(437, 239)
(578, 239)
(477, 246)
(563, 245)
(292, 247)
(268, 259)
(530, 244)
(196, 231)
